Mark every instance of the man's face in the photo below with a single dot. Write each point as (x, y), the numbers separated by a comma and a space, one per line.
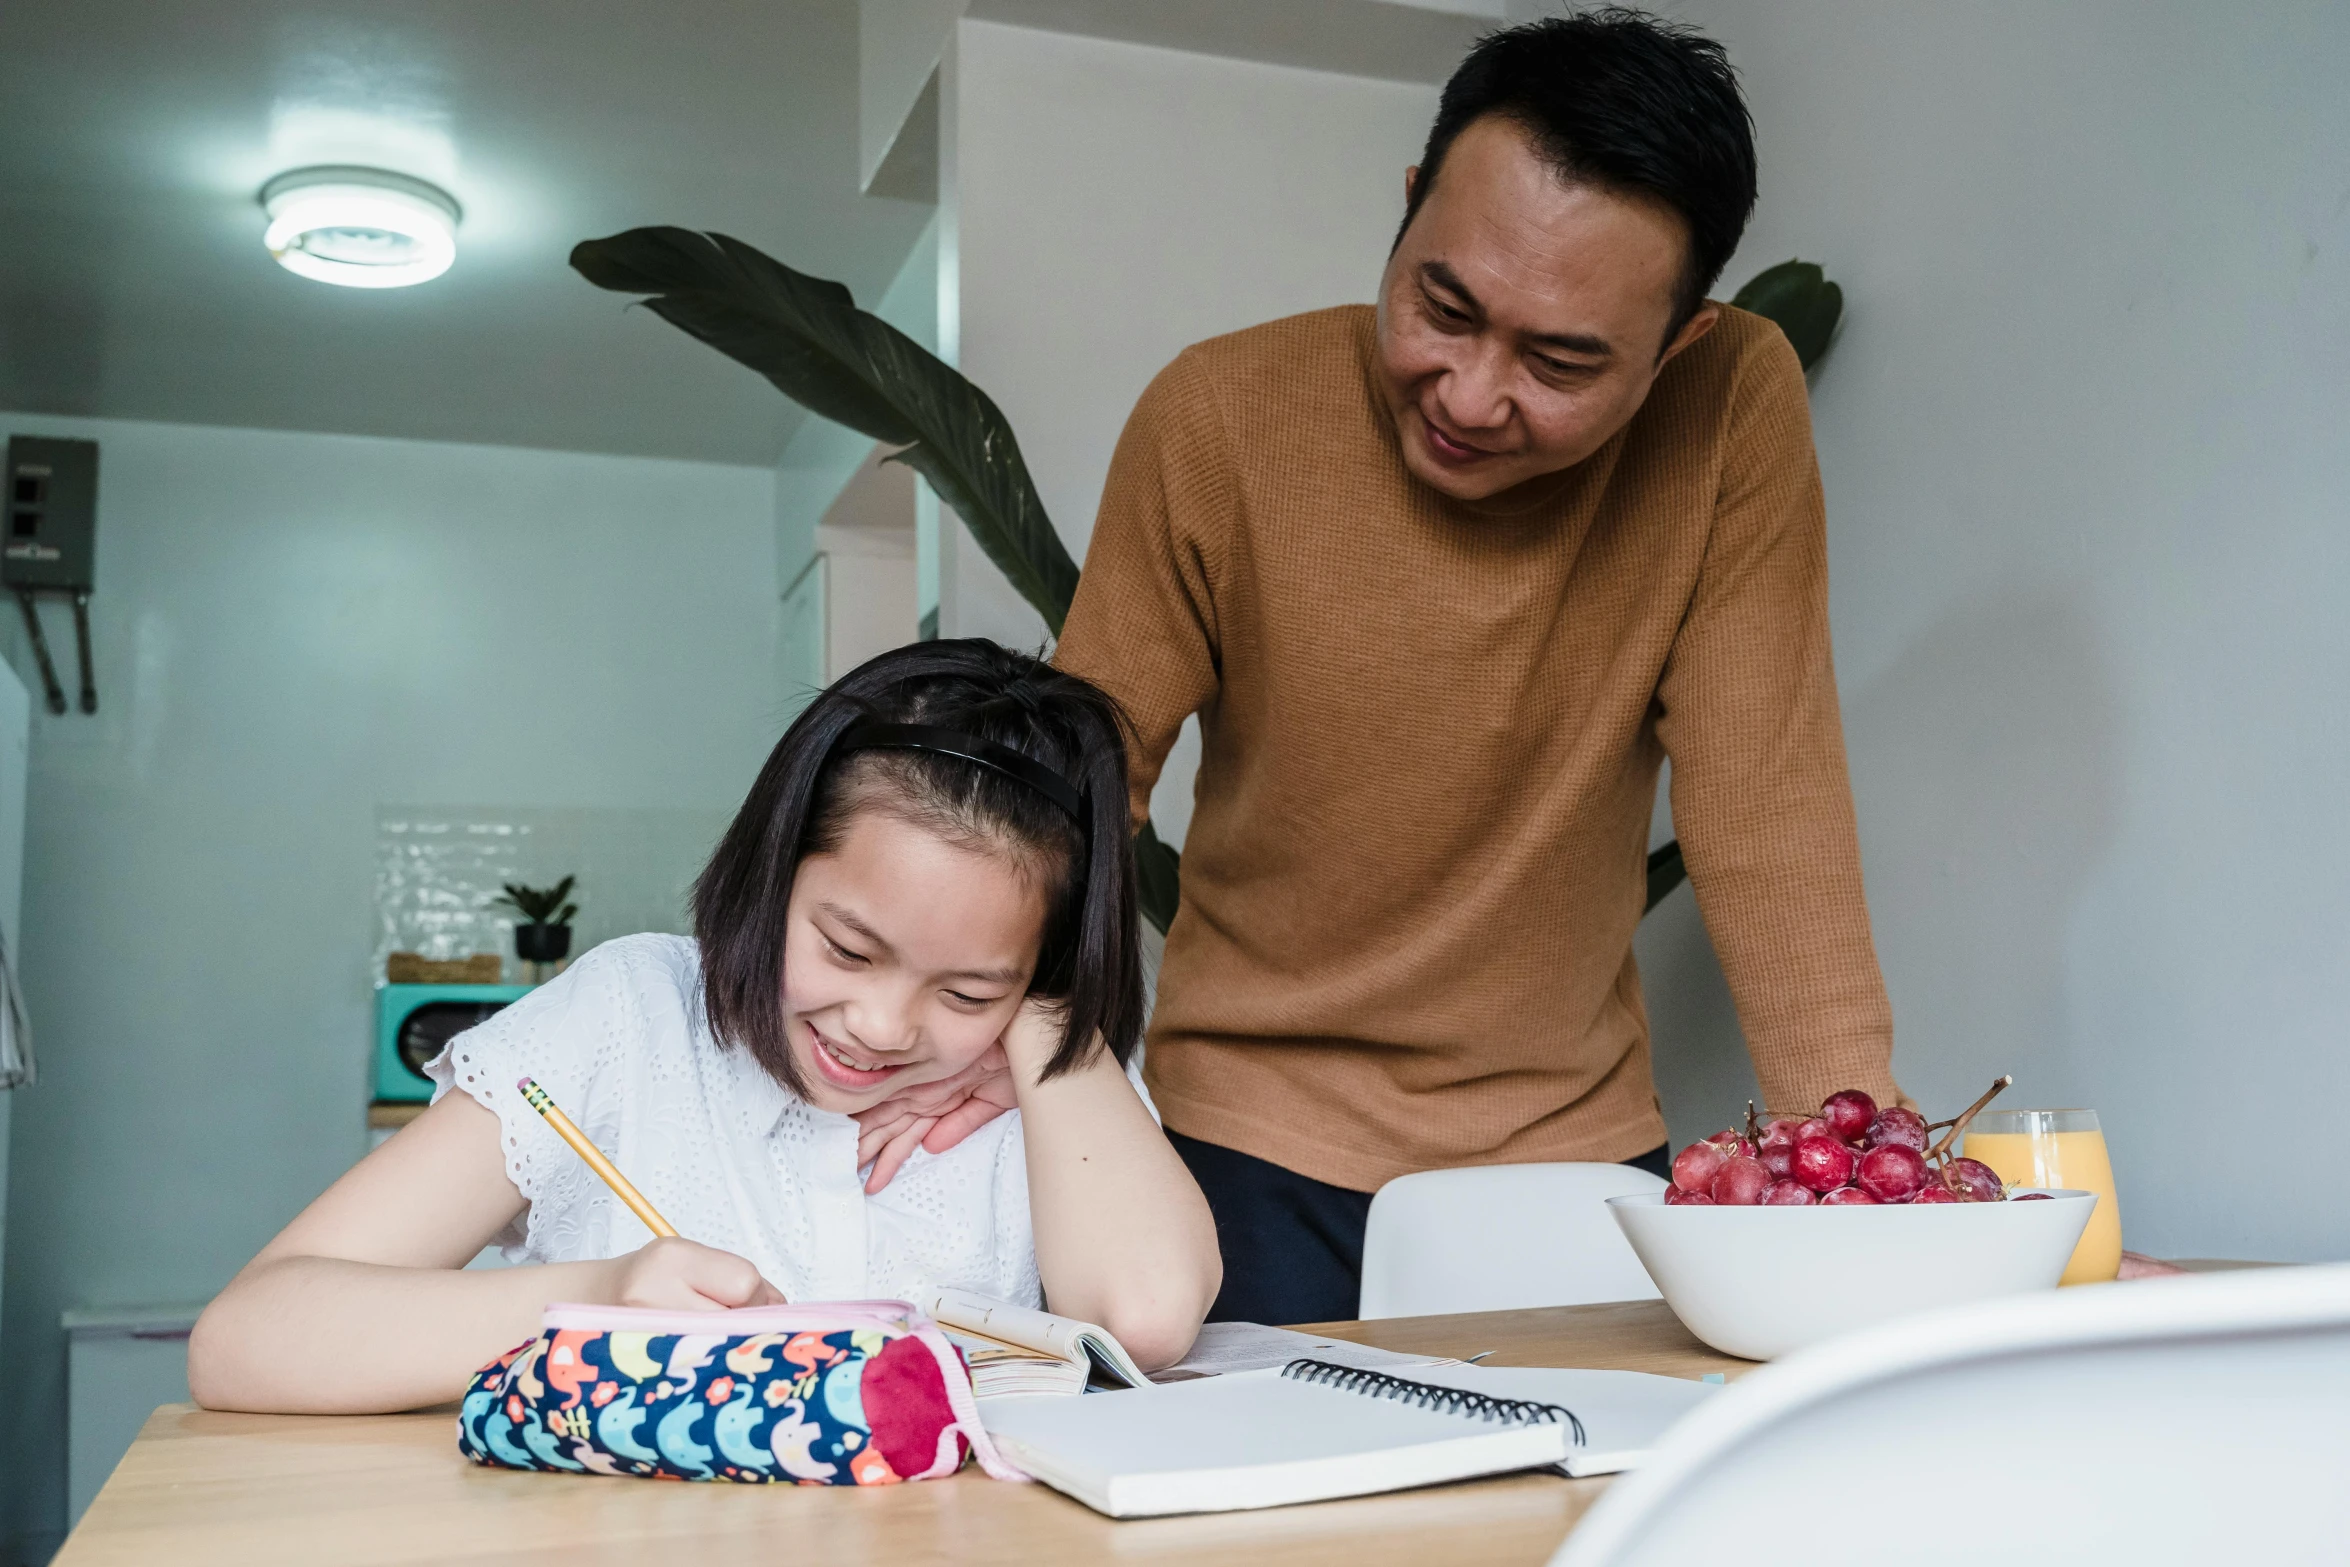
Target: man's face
(1521, 319)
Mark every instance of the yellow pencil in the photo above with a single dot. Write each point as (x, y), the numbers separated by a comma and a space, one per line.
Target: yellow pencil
(536, 1098)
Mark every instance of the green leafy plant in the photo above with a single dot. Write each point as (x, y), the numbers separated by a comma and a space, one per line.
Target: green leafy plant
(540, 905)
(808, 338)
(1799, 298)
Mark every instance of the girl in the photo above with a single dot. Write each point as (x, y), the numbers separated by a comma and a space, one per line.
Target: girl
(933, 863)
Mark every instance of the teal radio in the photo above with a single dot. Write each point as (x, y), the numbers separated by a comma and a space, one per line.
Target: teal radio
(413, 1022)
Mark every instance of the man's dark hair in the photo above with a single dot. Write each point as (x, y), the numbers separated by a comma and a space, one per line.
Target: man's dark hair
(812, 789)
(1625, 101)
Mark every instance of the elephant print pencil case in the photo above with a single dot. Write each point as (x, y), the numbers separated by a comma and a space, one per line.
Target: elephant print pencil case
(839, 1393)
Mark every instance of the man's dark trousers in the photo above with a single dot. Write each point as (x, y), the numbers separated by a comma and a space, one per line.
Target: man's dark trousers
(1293, 1246)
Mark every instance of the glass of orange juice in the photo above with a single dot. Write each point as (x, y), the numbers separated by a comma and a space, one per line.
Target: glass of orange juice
(2057, 1148)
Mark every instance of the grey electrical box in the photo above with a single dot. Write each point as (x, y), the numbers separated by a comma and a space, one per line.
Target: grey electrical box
(52, 538)
(50, 547)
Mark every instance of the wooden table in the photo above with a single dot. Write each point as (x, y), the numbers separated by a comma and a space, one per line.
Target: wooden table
(201, 1488)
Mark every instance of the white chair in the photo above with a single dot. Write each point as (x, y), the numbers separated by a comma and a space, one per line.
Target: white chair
(1498, 1236)
(2174, 1420)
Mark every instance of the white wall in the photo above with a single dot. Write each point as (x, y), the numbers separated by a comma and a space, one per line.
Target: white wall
(820, 460)
(1104, 205)
(2084, 438)
(897, 48)
(867, 540)
(291, 629)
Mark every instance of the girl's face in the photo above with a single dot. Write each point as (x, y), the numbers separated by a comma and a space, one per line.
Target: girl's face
(905, 956)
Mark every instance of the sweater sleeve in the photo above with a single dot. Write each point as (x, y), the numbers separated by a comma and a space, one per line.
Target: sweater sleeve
(1143, 625)
(1761, 798)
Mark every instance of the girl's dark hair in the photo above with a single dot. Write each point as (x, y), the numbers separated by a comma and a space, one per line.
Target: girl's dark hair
(809, 792)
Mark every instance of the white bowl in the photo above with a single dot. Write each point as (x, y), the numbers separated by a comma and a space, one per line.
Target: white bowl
(1758, 1282)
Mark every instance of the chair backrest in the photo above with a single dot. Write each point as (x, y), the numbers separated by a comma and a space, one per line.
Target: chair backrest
(1499, 1236)
(2174, 1420)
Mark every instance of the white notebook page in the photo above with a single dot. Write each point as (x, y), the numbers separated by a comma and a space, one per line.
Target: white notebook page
(1251, 1439)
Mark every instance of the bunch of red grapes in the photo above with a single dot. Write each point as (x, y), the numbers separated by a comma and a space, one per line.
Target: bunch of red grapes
(1850, 1152)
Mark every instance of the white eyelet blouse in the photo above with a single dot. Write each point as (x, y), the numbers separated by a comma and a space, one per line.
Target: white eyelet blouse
(721, 1149)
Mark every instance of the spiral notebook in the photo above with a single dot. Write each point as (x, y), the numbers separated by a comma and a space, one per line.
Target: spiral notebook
(1311, 1431)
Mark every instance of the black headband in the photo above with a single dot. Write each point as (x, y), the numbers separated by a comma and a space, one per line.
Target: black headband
(953, 742)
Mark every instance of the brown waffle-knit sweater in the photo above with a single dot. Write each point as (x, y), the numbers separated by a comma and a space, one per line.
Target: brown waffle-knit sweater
(1432, 734)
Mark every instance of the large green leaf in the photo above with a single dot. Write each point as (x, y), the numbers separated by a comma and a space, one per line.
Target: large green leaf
(1666, 870)
(807, 336)
(1799, 297)
(1157, 877)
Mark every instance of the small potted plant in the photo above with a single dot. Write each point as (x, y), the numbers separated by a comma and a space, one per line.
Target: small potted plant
(543, 934)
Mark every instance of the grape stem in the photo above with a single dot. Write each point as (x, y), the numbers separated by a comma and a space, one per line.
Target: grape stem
(1753, 1131)
(1958, 1125)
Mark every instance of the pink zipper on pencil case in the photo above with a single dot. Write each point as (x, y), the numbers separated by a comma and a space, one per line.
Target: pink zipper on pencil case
(830, 1315)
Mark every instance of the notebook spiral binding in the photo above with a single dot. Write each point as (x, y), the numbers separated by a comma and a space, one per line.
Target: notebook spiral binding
(1427, 1395)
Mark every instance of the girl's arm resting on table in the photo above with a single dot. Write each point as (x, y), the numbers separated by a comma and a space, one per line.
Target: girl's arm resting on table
(360, 1305)
(1123, 1236)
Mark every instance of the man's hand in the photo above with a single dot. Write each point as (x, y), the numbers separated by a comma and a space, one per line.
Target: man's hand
(934, 1115)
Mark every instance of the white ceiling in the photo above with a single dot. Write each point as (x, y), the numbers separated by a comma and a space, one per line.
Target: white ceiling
(135, 133)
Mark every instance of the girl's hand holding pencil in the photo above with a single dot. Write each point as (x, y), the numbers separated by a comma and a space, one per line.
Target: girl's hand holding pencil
(672, 1273)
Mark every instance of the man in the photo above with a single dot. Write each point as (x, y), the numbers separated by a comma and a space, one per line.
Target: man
(1446, 580)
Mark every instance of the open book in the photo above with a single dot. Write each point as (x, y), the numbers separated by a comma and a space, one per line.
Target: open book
(1017, 1350)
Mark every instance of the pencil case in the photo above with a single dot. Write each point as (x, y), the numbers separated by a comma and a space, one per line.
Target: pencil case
(837, 1393)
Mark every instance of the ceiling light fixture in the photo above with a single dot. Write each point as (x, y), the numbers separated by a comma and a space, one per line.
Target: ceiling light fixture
(361, 228)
